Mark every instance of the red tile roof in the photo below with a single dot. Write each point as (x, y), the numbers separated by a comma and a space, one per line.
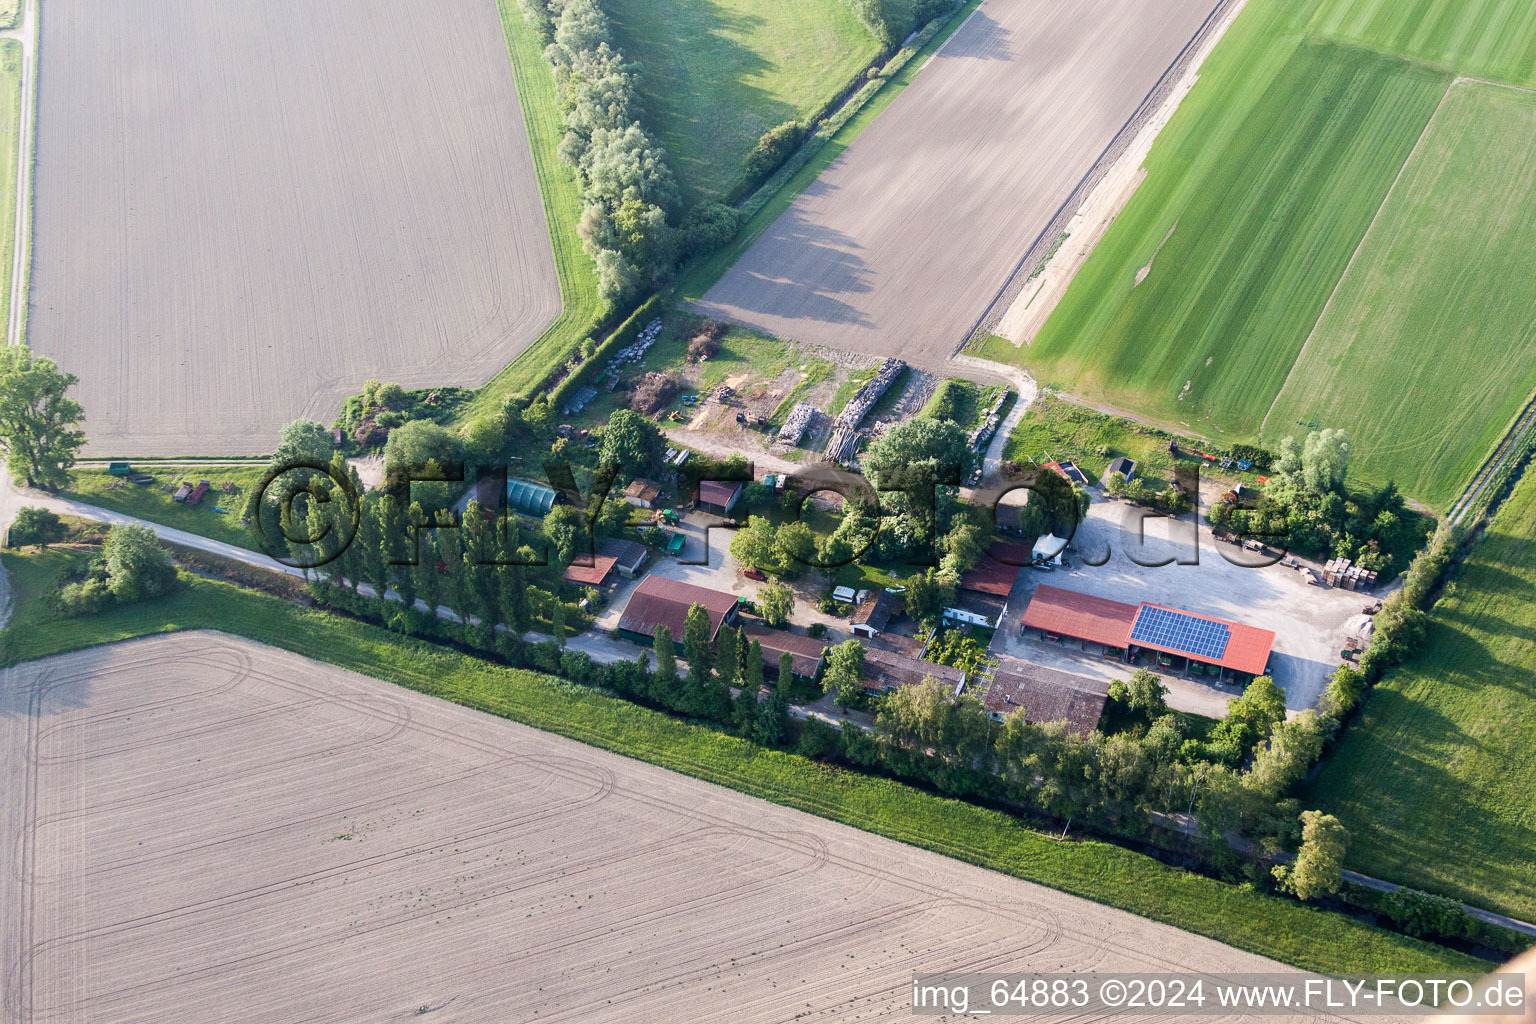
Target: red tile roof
(594, 575)
(998, 569)
(658, 601)
(1068, 613)
(1099, 620)
(1247, 649)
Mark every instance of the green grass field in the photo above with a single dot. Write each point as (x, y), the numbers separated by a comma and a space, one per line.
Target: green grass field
(579, 304)
(10, 10)
(1436, 779)
(716, 74)
(217, 516)
(1246, 221)
(1487, 38)
(1197, 306)
(1434, 306)
(1275, 927)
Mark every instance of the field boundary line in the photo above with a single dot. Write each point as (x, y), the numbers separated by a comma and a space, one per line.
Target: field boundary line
(1162, 90)
(27, 33)
(1359, 247)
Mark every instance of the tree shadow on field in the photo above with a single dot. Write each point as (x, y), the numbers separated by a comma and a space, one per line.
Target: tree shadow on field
(805, 269)
(985, 39)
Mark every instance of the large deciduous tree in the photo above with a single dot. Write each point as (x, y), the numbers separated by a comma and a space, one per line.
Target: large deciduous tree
(38, 422)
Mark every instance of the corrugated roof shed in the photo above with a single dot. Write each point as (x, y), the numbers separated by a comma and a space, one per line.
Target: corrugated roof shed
(1046, 695)
(1099, 620)
(998, 569)
(594, 575)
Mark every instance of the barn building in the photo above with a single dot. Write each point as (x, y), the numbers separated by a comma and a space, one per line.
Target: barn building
(1180, 639)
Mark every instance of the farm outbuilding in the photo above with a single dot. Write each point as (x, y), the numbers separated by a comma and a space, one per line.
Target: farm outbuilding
(807, 652)
(1122, 465)
(1045, 695)
(658, 601)
(642, 493)
(717, 497)
(530, 498)
(1121, 629)
(887, 669)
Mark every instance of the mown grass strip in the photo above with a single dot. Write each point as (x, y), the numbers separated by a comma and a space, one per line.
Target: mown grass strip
(1279, 928)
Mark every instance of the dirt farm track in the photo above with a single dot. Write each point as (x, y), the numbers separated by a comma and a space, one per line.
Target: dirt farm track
(243, 211)
(907, 238)
(200, 828)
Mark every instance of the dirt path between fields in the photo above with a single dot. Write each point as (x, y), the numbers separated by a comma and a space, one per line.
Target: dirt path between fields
(1062, 249)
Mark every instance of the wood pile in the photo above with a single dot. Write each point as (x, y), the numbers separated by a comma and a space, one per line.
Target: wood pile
(869, 393)
(795, 426)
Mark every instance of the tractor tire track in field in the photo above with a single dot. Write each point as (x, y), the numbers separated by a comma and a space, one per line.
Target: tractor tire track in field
(485, 864)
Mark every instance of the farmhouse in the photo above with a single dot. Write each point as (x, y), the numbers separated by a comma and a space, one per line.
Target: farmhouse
(1045, 695)
(1203, 643)
(717, 497)
(981, 597)
(807, 651)
(886, 669)
(658, 601)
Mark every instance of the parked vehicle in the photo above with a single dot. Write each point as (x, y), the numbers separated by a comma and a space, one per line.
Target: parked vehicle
(755, 574)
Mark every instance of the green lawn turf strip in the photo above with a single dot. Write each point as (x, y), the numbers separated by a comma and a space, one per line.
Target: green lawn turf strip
(579, 303)
(1436, 778)
(1435, 306)
(1108, 874)
(1488, 38)
(1247, 219)
(217, 516)
(10, 116)
(716, 74)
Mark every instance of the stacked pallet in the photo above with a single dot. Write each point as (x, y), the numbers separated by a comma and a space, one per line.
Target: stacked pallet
(1339, 572)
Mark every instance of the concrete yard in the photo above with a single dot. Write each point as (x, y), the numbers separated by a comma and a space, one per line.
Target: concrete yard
(243, 211)
(907, 238)
(201, 828)
(1217, 579)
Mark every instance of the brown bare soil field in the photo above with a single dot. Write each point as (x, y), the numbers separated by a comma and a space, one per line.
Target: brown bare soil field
(903, 243)
(201, 828)
(245, 210)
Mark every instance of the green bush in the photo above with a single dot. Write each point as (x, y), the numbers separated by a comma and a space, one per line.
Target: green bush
(1425, 915)
(83, 598)
(772, 150)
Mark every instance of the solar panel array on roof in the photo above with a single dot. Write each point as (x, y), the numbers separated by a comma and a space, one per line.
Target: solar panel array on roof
(1180, 631)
